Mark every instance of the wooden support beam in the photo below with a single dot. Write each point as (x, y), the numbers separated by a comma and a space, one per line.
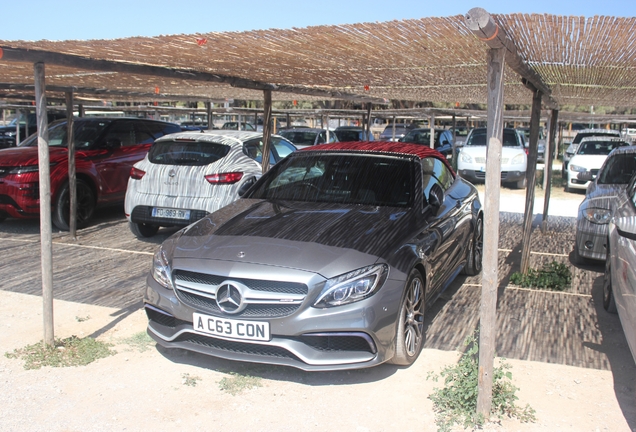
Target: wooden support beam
(481, 23)
(547, 172)
(490, 270)
(208, 109)
(531, 175)
(46, 237)
(72, 178)
(267, 125)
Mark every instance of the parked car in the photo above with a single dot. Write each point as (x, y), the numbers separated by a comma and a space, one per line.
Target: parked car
(353, 133)
(194, 126)
(573, 146)
(305, 137)
(106, 149)
(234, 126)
(540, 142)
(8, 133)
(471, 161)
(588, 159)
(461, 133)
(328, 262)
(443, 139)
(600, 201)
(187, 175)
(276, 125)
(401, 129)
(619, 282)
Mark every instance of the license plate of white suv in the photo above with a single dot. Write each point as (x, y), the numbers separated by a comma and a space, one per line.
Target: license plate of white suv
(231, 328)
(170, 213)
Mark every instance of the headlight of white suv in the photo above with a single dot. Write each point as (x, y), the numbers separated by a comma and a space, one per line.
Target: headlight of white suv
(517, 159)
(597, 215)
(353, 286)
(465, 157)
(577, 168)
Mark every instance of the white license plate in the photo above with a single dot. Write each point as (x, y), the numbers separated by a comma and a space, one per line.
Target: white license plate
(170, 213)
(231, 328)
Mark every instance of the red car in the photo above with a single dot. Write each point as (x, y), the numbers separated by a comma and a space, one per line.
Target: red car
(106, 149)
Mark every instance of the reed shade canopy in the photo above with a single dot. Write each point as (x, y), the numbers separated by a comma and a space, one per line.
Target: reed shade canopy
(584, 61)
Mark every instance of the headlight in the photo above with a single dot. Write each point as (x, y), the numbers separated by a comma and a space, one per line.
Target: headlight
(11, 134)
(161, 269)
(353, 286)
(465, 157)
(517, 159)
(577, 168)
(597, 215)
(28, 169)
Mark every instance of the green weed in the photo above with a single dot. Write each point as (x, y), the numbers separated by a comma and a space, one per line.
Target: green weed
(236, 383)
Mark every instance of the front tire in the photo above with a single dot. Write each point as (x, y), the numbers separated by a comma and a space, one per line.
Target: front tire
(85, 206)
(143, 230)
(521, 184)
(475, 250)
(410, 326)
(609, 303)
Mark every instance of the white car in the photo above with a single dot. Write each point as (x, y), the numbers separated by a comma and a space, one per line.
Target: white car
(585, 133)
(187, 175)
(588, 159)
(471, 162)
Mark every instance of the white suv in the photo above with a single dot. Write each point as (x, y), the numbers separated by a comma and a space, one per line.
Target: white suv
(187, 175)
(471, 162)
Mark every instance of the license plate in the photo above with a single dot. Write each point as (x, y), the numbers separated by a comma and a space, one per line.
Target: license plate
(482, 169)
(170, 213)
(231, 328)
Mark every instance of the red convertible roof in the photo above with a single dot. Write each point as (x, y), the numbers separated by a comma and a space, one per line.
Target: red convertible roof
(418, 150)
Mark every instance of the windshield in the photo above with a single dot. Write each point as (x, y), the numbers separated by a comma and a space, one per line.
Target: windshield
(478, 138)
(85, 134)
(340, 178)
(618, 169)
(299, 137)
(598, 147)
(188, 153)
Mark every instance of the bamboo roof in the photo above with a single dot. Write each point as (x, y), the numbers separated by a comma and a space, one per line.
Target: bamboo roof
(584, 61)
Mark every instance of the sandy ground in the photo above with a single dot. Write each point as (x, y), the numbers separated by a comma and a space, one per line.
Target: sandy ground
(150, 388)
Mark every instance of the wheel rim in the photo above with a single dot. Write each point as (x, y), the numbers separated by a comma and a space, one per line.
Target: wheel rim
(478, 246)
(413, 317)
(84, 204)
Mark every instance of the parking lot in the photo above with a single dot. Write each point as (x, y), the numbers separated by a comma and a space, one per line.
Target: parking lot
(106, 268)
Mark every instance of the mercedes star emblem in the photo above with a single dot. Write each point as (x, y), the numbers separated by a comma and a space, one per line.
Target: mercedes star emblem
(229, 299)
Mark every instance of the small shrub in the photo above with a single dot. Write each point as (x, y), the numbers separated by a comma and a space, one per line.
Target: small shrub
(140, 341)
(190, 380)
(236, 384)
(553, 276)
(456, 402)
(72, 351)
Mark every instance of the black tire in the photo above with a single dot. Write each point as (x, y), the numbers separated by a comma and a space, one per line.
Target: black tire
(409, 337)
(609, 303)
(475, 250)
(521, 184)
(143, 230)
(85, 206)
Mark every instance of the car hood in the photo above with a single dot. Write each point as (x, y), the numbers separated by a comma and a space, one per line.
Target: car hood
(321, 238)
(588, 161)
(27, 156)
(601, 195)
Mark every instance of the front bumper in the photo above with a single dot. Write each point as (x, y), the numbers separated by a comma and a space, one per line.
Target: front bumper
(591, 240)
(352, 336)
(476, 176)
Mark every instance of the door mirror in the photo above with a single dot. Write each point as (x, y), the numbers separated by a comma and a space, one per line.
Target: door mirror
(245, 186)
(436, 197)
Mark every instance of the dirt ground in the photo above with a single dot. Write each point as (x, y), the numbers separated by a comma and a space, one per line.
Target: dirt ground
(569, 360)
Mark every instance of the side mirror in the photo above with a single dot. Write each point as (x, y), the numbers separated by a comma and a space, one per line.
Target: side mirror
(245, 186)
(436, 197)
(626, 227)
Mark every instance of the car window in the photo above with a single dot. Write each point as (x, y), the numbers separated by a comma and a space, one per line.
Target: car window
(122, 131)
(85, 134)
(299, 137)
(618, 169)
(350, 179)
(279, 149)
(188, 153)
(435, 171)
(598, 147)
(348, 135)
(159, 129)
(478, 138)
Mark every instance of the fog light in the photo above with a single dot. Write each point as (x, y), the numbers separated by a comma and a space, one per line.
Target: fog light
(589, 245)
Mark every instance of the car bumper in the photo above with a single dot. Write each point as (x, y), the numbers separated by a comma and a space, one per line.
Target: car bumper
(143, 214)
(476, 176)
(353, 336)
(591, 240)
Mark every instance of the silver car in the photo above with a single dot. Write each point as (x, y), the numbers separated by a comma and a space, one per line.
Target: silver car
(328, 262)
(596, 209)
(619, 287)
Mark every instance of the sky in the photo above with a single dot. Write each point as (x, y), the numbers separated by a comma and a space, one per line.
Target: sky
(112, 19)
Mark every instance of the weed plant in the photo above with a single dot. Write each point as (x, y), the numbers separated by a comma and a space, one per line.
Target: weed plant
(552, 276)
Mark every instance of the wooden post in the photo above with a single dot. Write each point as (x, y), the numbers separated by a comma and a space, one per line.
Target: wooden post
(267, 133)
(547, 173)
(287, 121)
(72, 178)
(208, 109)
(454, 157)
(327, 128)
(367, 137)
(490, 270)
(26, 126)
(45, 202)
(431, 120)
(80, 110)
(17, 127)
(531, 175)
(240, 120)
(393, 134)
